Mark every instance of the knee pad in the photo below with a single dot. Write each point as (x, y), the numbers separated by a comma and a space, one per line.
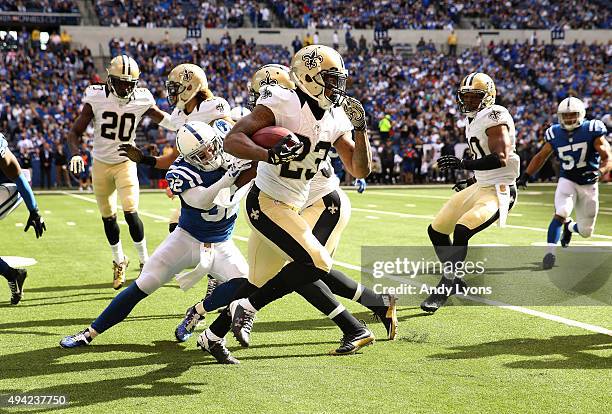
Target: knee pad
(111, 228)
(135, 225)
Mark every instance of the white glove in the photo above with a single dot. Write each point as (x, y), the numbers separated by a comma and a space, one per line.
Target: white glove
(238, 166)
(355, 113)
(77, 165)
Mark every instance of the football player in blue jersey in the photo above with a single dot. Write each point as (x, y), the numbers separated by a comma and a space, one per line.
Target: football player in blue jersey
(584, 155)
(202, 175)
(9, 168)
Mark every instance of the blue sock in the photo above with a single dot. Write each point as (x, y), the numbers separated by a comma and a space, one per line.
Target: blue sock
(554, 231)
(223, 294)
(5, 269)
(119, 308)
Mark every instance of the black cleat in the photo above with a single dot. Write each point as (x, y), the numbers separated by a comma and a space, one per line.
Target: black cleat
(549, 261)
(566, 236)
(436, 300)
(217, 349)
(16, 285)
(351, 343)
(388, 316)
(242, 322)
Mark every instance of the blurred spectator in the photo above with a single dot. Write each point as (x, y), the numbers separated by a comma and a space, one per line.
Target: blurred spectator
(46, 158)
(297, 44)
(61, 166)
(47, 6)
(384, 127)
(452, 43)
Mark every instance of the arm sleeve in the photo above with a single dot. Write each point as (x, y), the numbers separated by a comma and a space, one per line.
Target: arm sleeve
(598, 128)
(203, 197)
(26, 192)
(343, 124)
(549, 135)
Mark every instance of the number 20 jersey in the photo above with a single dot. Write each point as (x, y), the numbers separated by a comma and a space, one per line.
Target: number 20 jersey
(290, 182)
(478, 140)
(115, 121)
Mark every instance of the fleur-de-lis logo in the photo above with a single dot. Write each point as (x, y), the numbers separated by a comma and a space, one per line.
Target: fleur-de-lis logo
(312, 60)
(265, 93)
(187, 75)
(219, 107)
(268, 80)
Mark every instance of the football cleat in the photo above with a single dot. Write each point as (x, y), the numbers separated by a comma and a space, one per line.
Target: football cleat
(549, 261)
(191, 321)
(212, 285)
(351, 343)
(388, 316)
(217, 349)
(242, 322)
(566, 236)
(16, 285)
(79, 339)
(119, 270)
(436, 300)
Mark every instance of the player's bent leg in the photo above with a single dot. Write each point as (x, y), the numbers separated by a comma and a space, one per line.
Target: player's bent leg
(136, 228)
(120, 261)
(126, 181)
(587, 207)
(15, 279)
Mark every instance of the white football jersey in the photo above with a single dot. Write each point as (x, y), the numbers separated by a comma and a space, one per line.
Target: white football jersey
(323, 183)
(207, 111)
(290, 182)
(115, 121)
(475, 133)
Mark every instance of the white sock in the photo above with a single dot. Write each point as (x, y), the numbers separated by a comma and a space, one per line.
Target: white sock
(118, 255)
(572, 227)
(247, 305)
(552, 247)
(141, 248)
(211, 335)
(199, 307)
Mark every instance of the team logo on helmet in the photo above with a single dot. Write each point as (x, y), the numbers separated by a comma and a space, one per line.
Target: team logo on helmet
(187, 75)
(312, 60)
(268, 80)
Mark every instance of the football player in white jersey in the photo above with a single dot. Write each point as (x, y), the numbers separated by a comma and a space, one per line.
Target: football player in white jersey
(491, 194)
(116, 109)
(313, 113)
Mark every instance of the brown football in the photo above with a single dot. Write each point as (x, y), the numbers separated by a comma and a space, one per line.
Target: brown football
(268, 137)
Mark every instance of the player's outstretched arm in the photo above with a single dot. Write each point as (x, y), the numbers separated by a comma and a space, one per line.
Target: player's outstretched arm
(238, 142)
(134, 153)
(74, 137)
(161, 118)
(355, 155)
(536, 163)
(602, 146)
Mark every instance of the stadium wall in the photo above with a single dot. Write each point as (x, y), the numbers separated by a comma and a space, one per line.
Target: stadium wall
(96, 38)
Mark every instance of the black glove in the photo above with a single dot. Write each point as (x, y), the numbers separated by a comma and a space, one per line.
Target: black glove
(285, 150)
(37, 222)
(463, 184)
(522, 181)
(592, 176)
(132, 152)
(450, 162)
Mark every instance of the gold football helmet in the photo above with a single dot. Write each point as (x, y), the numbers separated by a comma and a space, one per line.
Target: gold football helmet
(122, 76)
(184, 82)
(319, 72)
(272, 74)
(476, 92)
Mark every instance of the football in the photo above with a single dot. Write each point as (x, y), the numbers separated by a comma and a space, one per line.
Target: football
(268, 137)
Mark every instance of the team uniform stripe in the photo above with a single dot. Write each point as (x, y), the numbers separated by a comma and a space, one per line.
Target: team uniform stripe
(591, 126)
(187, 177)
(327, 221)
(195, 133)
(129, 68)
(122, 64)
(192, 174)
(495, 216)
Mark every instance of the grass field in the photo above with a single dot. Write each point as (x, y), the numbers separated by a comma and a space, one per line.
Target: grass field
(462, 359)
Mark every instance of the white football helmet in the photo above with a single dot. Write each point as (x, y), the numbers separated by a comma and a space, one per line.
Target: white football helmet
(238, 112)
(571, 113)
(9, 199)
(200, 145)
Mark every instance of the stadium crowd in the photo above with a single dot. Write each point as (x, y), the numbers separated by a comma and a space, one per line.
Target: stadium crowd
(45, 6)
(409, 99)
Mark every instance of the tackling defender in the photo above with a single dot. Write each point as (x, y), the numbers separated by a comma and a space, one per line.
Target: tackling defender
(203, 234)
(585, 156)
(9, 167)
(491, 194)
(116, 109)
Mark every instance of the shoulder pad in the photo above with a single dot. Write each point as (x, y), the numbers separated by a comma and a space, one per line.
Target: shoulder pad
(144, 95)
(597, 127)
(271, 94)
(221, 105)
(222, 125)
(95, 93)
(3, 146)
(549, 135)
(182, 176)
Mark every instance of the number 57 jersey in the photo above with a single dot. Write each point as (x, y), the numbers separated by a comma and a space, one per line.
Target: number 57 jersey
(478, 140)
(115, 120)
(315, 128)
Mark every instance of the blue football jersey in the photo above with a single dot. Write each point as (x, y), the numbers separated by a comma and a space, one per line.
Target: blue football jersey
(207, 226)
(576, 150)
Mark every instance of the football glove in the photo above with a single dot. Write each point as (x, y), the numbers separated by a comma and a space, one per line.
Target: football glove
(355, 113)
(285, 150)
(238, 166)
(36, 221)
(450, 162)
(592, 175)
(77, 165)
(360, 184)
(522, 181)
(132, 152)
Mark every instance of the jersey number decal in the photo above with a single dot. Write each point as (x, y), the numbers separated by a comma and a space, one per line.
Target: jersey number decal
(109, 129)
(296, 173)
(219, 213)
(476, 148)
(568, 161)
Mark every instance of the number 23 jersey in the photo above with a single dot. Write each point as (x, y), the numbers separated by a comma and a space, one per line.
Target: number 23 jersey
(115, 122)
(290, 182)
(478, 140)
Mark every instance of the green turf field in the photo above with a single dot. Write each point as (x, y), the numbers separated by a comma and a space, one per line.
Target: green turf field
(462, 359)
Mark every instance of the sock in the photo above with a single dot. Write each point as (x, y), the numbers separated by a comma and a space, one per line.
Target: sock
(7, 271)
(347, 322)
(573, 227)
(111, 229)
(441, 243)
(292, 276)
(211, 335)
(118, 255)
(458, 252)
(342, 285)
(221, 326)
(554, 231)
(119, 308)
(141, 248)
(135, 225)
(199, 308)
(223, 294)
